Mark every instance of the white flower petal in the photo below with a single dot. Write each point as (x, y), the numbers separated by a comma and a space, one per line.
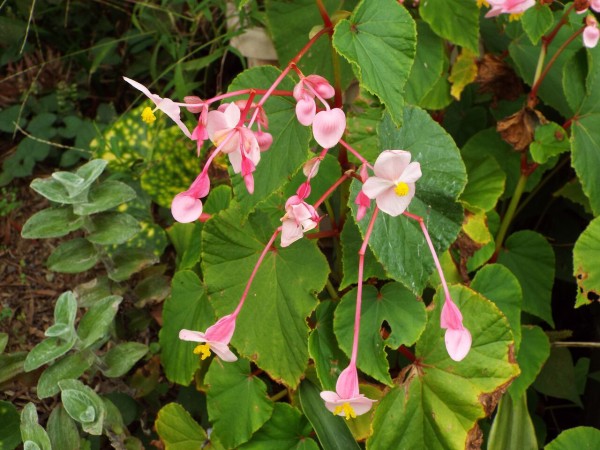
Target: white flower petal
(190, 335)
(391, 163)
(375, 186)
(393, 204)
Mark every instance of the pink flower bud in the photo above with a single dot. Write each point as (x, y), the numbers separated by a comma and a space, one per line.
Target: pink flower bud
(303, 190)
(264, 140)
(328, 127)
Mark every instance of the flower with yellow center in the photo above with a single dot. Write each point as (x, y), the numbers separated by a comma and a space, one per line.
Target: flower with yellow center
(346, 400)
(215, 339)
(345, 410)
(203, 350)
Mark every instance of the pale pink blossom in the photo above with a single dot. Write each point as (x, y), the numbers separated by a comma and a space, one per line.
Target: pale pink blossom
(458, 338)
(216, 338)
(305, 92)
(186, 206)
(595, 5)
(346, 401)
(166, 105)
(299, 218)
(393, 186)
(328, 127)
(508, 7)
(241, 145)
(591, 33)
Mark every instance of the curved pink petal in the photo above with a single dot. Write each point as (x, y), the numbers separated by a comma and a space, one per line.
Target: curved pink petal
(391, 163)
(411, 174)
(347, 383)
(232, 115)
(223, 351)
(222, 330)
(185, 208)
(393, 204)
(458, 343)
(194, 336)
(194, 100)
(330, 396)
(264, 140)
(216, 122)
(595, 5)
(172, 110)
(235, 158)
(140, 87)
(590, 36)
(320, 85)
(290, 232)
(451, 316)
(200, 186)
(328, 127)
(306, 110)
(361, 404)
(375, 186)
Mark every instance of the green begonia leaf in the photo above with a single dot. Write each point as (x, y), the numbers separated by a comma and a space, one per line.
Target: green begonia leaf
(287, 429)
(10, 436)
(290, 139)
(31, 430)
(361, 129)
(585, 138)
(537, 21)
(586, 255)
(96, 322)
(271, 328)
(237, 402)
(111, 228)
(71, 366)
(575, 73)
(485, 185)
(398, 242)
(62, 430)
(440, 400)
(187, 308)
(531, 259)
(557, 377)
(428, 66)
(291, 24)
(533, 353)
(51, 222)
(121, 358)
(395, 305)
(83, 405)
(178, 430)
(74, 256)
(550, 140)
(496, 283)
(331, 430)
(329, 359)
(379, 41)
(462, 29)
(104, 196)
(351, 242)
(578, 438)
(512, 426)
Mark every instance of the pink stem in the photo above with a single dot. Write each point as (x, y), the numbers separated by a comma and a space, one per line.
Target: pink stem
(361, 265)
(246, 91)
(331, 189)
(355, 153)
(254, 271)
(431, 249)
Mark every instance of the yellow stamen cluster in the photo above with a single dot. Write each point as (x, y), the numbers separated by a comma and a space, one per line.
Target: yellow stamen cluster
(347, 411)
(148, 116)
(401, 189)
(203, 350)
(515, 17)
(481, 3)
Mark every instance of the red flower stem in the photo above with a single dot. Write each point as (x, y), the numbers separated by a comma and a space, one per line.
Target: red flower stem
(254, 271)
(355, 153)
(285, 71)
(436, 260)
(247, 107)
(332, 188)
(361, 265)
(407, 353)
(324, 15)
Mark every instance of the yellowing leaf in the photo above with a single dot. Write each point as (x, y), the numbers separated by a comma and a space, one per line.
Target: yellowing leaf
(463, 72)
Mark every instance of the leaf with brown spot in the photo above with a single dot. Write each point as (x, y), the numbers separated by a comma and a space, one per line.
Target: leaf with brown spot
(586, 255)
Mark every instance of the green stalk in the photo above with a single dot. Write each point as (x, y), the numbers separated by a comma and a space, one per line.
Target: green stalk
(510, 212)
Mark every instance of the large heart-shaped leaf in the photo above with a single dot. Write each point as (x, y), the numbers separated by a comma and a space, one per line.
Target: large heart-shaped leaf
(438, 404)
(379, 40)
(455, 20)
(398, 242)
(271, 328)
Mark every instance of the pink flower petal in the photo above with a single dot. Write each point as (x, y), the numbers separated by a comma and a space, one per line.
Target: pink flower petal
(412, 173)
(216, 122)
(200, 187)
(391, 203)
(320, 85)
(347, 383)
(235, 158)
(223, 351)
(590, 36)
(185, 208)
(264, 140)
(290, 232)
(361, 404)
(391, 163)
(458, 343)
(330, 396)
(194, 336)
(595, 5)
(375, 186)
(222, 330)
(328, 127)
(306, 110)
(143, 89)
(451, 316)
(193, 99)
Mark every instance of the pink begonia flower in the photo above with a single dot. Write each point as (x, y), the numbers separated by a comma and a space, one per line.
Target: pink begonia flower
(166, 105)
(393, 186)
(458, 338)
(264, 140)
(329, 126)
(361, 199)
(508, 7)
(299, 218)
(242, 144)
(305, 92)
(346, 401)
(186, 206)
(595, 5)
(200, 134)
(591, 33)
(215, 338)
